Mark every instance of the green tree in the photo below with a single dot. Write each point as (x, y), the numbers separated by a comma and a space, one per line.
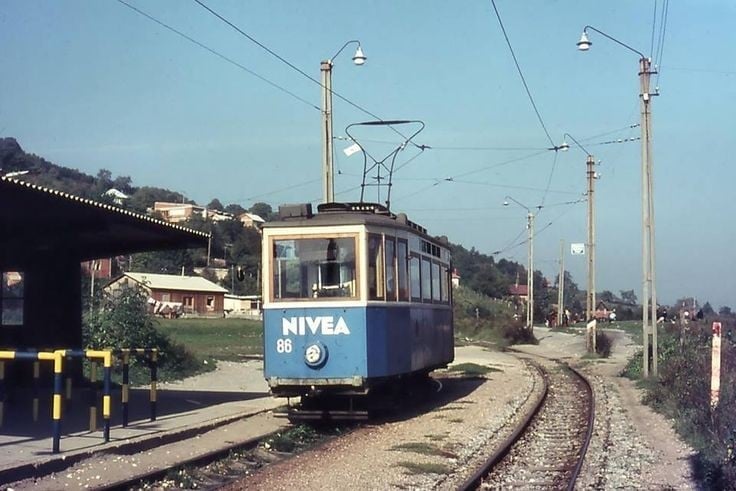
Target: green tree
(724, 311)
(215, 205)
(708, 309)
(121, 321)
(606, 296)
(235, 209)
(628, 296)
(263, 210)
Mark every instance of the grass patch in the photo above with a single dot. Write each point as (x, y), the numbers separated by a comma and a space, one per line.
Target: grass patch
(456, 420)
(437, 438)
(424, 468)
(423, 449)
(292, 439)
(472, 369)
(216, 339)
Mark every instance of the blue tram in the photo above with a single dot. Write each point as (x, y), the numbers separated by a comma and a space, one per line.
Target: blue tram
(354, 297)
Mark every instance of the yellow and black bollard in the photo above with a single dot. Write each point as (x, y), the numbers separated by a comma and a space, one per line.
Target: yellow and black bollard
(92, 401)
(36, 388)
(106, 356)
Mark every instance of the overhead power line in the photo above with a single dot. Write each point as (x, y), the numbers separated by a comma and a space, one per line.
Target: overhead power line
(292, 66)
(217, 53)
(521, 74)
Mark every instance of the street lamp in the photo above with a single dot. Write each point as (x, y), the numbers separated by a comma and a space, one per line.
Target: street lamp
(327, 162)
(649, 322)
(530, 267)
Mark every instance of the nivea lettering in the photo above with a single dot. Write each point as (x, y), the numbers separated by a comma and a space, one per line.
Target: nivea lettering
(325, 325)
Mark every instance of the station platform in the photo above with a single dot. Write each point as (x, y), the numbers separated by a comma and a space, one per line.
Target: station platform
(181, 414)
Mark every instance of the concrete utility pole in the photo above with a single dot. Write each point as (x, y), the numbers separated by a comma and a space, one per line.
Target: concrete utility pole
(649, 321)
(561, 285)
(328, 184)
(328, 173)
(590, 297)
(530, 269)
(649, 292)
(590, 172)
(530, 274)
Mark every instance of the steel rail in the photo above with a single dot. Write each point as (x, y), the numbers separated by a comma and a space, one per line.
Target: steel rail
(474, 481)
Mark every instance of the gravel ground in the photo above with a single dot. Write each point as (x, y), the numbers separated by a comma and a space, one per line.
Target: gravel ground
(632, 447)
(434, 450)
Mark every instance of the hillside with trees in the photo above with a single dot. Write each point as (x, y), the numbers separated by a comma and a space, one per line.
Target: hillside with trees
(238, 248)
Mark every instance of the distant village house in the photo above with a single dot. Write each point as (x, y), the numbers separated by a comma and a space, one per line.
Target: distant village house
(171, 294)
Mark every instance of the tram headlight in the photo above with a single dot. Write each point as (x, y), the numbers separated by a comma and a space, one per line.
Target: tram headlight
(315, 355)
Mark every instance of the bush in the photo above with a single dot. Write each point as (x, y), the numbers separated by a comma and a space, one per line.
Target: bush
(682, 392)
(603, 344)
(121, 320)
(517, 334)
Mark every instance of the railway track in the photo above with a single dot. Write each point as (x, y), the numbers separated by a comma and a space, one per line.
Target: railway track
(548, 448)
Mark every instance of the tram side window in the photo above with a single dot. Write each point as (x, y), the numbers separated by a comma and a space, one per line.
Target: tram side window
(416, 278)
(403, 276)
(426, 280)
(375, 267)
(436, 280)
(446, 283)
(314, 268)
(11, 298)
(390, 269)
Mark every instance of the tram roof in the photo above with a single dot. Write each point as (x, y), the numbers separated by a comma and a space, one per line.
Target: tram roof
(336, 214)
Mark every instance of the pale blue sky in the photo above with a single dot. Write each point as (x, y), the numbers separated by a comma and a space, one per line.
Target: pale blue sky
(92, 84)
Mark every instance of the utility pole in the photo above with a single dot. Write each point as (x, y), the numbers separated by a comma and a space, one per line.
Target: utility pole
(561, 285)
(530, 274)
(648, 260)
(328, 183)
(328, 172)
(590, 172)
(649, 292)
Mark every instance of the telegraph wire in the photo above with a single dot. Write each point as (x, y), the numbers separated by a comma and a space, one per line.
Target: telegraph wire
(521, 74)
(217, 53)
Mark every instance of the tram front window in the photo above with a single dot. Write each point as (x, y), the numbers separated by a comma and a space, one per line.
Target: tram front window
(314, 268)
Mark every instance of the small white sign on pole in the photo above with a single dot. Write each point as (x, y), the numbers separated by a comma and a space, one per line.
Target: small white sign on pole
(577, 249)
(354, 148)
(715, 370)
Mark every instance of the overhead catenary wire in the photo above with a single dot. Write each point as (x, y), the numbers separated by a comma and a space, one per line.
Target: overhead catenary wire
(217, 53)
(521, 74)
(662, 35)
(654, 29)
(292, 66)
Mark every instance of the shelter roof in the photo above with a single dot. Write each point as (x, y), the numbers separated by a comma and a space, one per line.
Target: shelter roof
(35, 220)
(175, 282)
